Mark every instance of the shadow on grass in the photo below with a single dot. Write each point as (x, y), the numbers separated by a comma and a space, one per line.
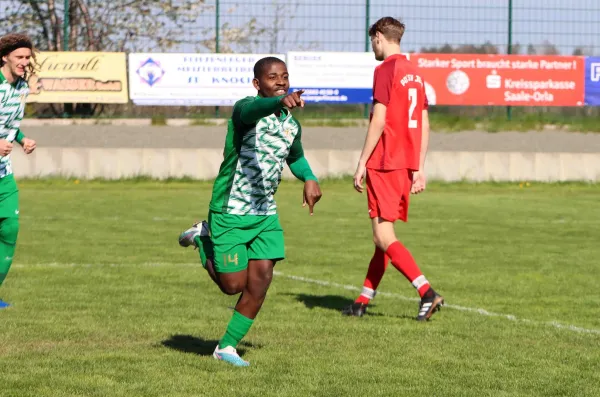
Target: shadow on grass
(200, 346)
(331, 302)
(337, 303)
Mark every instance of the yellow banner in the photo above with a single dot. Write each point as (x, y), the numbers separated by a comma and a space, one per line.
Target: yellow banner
(79, 77)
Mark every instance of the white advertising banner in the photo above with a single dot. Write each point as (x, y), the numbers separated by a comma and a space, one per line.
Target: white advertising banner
(333, 77)
(192, 79)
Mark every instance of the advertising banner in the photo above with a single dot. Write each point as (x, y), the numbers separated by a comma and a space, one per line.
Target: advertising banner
(517, 80)
(79, 77)
(192, 79)
(592, 81)
(333, 77)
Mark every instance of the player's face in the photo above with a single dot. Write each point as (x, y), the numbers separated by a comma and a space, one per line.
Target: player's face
(18, 60)
(274, 80)
(377, 45)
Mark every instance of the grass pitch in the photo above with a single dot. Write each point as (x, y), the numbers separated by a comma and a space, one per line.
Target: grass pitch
(105, 303)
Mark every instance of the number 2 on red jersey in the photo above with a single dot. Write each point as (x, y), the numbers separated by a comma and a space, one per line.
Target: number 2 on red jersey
(412, 99)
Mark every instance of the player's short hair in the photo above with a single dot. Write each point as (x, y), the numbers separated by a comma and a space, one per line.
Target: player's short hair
(391, 28)
(14, 41)
(263, 63)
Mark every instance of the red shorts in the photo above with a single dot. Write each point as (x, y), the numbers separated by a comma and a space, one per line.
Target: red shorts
(388, 193)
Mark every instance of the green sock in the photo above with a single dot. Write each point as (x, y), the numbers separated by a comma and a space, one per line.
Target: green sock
(205, 248)
(6, 256)
(238, 327)
(9, 229)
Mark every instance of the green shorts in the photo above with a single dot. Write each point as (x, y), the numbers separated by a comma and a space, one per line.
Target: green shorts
(9, 197)
(240, 238)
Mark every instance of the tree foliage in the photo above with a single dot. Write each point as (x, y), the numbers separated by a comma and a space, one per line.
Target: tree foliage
(125, 25)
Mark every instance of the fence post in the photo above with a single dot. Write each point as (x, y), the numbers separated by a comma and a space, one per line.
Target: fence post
(68, 107)
(66, 23)
(509, 49)
(367, 44)
(217, 39)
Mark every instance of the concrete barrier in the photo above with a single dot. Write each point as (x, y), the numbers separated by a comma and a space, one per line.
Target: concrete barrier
(87, 163)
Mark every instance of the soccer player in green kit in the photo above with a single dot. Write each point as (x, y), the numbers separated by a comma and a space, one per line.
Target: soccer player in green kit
(16, 52)
(243, 239)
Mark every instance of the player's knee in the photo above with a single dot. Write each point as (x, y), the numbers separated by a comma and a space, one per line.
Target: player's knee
(261, 276)
(9, 230)
(265, 277)
(378, 241)
(383, 234)
(231, 290)
(382, 241)
(232, 286)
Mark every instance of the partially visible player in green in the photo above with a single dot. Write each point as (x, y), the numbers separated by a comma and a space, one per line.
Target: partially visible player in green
(243, 239)
(16, 53)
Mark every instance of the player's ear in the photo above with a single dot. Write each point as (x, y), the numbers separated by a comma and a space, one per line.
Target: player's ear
(256, 84)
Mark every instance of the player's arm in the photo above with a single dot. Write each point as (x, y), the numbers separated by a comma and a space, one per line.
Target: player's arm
(374, 132)
(382, 87)
(419, 177)
(28, 144)
(424, 140)
(297, 162)
(19, 137)
(251, 110)
(301, 170)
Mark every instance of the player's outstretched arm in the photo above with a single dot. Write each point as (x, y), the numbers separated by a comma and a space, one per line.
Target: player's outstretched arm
(252, 110)
(419, 177)
(249, 111)
(301, 170)
(373, 135)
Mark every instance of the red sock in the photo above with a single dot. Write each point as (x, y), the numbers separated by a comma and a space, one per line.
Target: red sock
(375, 273)
(405, 263)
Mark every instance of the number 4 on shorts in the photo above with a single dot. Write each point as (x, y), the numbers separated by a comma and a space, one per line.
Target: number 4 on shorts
(228, 259)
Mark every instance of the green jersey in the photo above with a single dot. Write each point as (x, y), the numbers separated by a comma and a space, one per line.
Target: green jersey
(257, 146)
(12, 109)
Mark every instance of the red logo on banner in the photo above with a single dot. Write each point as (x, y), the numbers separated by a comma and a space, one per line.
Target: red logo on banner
(518, 80)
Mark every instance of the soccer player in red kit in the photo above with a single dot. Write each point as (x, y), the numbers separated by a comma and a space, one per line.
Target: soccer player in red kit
(393, 159)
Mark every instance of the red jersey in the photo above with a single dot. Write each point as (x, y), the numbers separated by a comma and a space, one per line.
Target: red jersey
(399, 86)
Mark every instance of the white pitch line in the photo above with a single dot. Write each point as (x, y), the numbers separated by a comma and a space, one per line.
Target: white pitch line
(86, 265)
(482, 312)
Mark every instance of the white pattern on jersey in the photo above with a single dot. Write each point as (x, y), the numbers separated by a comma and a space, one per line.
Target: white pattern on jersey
(12, 109)
(260, 165)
